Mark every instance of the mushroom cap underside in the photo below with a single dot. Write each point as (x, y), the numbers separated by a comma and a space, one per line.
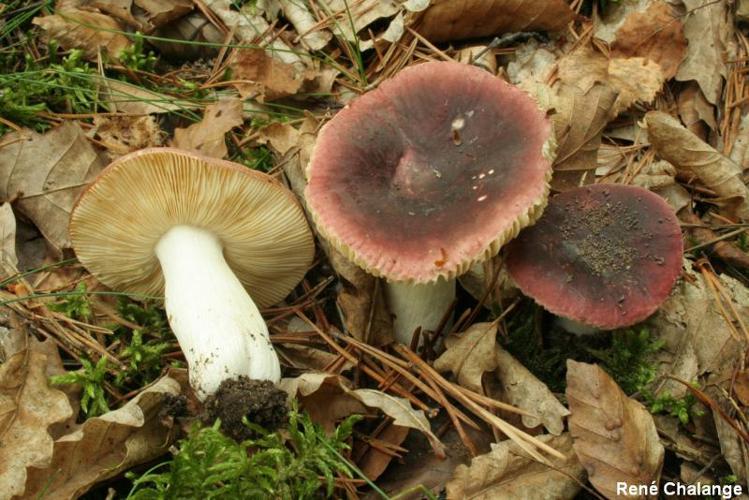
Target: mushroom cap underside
(118, 220)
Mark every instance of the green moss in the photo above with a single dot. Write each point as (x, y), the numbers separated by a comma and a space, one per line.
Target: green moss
(91, 379)
(76, 305)
(297, 464)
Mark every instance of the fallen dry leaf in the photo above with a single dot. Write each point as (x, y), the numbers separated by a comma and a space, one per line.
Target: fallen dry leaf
(697, 338)
(634, 79)
(374, 461)
(507, 472)
(127, 98)
(447, 20)
(328, 398)
(470, 354)
(103, 447)
(192, 27)
(732, 446)
(249, 26)
(579, 123)
(304, 357)
(607, 22)
(694, 110)
(282, 137)
(118, 9)
(707, 29)
(655, 34)
(680, 147)
(28, 408)
(362, 301)
(156, 13)
(402, 413)
(310, 34)
(258, 75)
(324, 396)
(614, 436)
(88, 31)
(208, 135)
(741, 387)
(47, 172)
(356, 21)
(125, 134)
(8, 258)
(522, 389)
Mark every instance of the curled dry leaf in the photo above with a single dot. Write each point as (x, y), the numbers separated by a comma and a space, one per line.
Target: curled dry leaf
(374, 461)
(694, 110)
(614, 436)
(680, 147)
(470, 354)
(578, 122)
(311, 35)
(29, 407)
(507, 472)
(132, 99)
(402, 413)
(125, 134)
(707, 29)
(190, 27)
(45, 173)
(250, 27)
(732, 445)
(324, 396)
(258, 75)
(8, 259)
(354, 20)
(522, 389)
(634, 79)
(282, 137)
(134, 434)
(698, 339)
(88, 31)
(447, 20)
(328, 398)
(118, 9)
(208, 135)
(156, 13)
(654, 33)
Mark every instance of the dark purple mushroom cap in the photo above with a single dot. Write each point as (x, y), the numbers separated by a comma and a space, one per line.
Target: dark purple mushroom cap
(605, 255)
(435, 169)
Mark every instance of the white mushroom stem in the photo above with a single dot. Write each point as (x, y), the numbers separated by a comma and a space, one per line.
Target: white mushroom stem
(575, 327)
(218, 326)
(415, 305)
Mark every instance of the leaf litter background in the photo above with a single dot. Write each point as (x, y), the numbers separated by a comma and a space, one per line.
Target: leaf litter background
(643, 92)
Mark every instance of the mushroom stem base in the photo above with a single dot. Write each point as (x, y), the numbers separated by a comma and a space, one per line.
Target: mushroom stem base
(575, 327)
(218, 326)
(415, 305)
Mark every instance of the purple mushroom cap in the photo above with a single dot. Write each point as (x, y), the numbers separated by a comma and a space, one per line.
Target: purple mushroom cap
(605, 255)
(430, 172)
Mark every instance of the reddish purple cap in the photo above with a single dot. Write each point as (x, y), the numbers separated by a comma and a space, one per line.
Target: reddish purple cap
(605, 255)
(432, 171)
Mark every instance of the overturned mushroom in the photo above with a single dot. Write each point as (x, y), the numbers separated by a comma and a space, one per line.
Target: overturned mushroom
(200, 231)
(604, 256)
(429, 173)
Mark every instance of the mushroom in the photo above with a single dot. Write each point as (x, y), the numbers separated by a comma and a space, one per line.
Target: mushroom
(434, 170)
(201, 231)
(602, 257)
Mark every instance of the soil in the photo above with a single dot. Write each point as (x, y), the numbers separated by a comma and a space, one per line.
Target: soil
(174, 406)
(258, 400)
